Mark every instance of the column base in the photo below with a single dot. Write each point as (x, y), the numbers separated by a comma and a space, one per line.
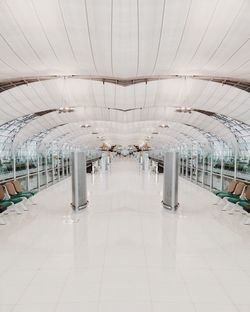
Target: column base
(169, 207)
(80, 207)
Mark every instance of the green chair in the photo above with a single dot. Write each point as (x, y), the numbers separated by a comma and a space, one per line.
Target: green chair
(13, 194)
(230, 189)
(6, 203)
(19, 190)
(233, 198)
(245, 204)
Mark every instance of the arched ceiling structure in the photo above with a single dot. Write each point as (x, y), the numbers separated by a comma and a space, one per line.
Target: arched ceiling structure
(125, 67)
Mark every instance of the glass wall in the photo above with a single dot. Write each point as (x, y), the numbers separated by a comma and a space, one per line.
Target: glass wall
(212, 167)
(36, 170)
(215, 169)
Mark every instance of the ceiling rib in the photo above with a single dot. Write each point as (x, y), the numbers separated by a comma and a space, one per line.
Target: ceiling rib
(240, 84)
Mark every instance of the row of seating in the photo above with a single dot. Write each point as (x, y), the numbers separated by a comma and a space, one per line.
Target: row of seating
(235, 198)
(12, 196)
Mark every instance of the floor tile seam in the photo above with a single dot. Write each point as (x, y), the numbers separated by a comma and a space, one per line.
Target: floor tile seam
(104, 261)
(26, 288)
(5, 271)
(147, 267)
(247, 272)
(223, 287)
(226, 253)
(188, 291)
(57, 302)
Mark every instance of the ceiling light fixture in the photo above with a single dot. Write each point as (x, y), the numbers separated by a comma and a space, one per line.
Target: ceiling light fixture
(85, 126)
(163, 126)
(66, 110)
(184, 110)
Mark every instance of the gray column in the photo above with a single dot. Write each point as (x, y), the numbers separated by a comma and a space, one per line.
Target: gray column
(79, 181)
(203, 170)
(14, 163)
(28, 173)
(191, 165)
(140, 159)
(211, 171)
(170, 182)
(221, 169)
(182, 165)
(62, 165)
(67, 165)
(196, 169)
(53, 168)
(38, 172)
(46, 170)
(58, 166)
(187, 164)
(235, 163)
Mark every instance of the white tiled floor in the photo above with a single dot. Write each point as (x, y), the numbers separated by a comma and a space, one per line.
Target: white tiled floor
(126, 253)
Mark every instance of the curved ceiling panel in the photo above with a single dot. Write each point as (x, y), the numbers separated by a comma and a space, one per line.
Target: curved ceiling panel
(124, 38)
(108, 59)
(110, 98)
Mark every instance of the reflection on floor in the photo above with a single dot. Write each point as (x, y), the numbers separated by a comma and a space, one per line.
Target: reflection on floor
(126, 253)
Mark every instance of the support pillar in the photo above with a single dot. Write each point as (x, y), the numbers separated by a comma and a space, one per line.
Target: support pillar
(38, 173)
(196, 168)
(79, 181)
(58, 166)
(170, 182)
(46, 170)
(191, 165)
(14, 163)
(62, 160)
(28, 173)
(235, 163)
(221, 169)
(67, 165)
(182, 165)
(187, 160)
(203, 170)
(211, 171)
(53, 168)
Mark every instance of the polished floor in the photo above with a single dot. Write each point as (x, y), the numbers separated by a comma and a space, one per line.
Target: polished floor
(126, 253)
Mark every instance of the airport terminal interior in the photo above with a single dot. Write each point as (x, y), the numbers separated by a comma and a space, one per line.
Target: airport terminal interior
(125, 155)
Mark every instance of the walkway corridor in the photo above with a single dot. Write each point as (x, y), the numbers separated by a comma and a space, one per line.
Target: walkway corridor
(126, 253)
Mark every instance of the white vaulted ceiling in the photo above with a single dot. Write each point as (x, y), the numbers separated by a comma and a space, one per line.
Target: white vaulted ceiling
(64, 52)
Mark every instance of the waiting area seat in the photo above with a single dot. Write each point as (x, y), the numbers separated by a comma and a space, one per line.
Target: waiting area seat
(237, 199)
(12, 191)
(5, 203)
(229, 191)
(235, 196)
(234, 192)
(12, 195)
(19, 189)
(242, 204)
(245, 201)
